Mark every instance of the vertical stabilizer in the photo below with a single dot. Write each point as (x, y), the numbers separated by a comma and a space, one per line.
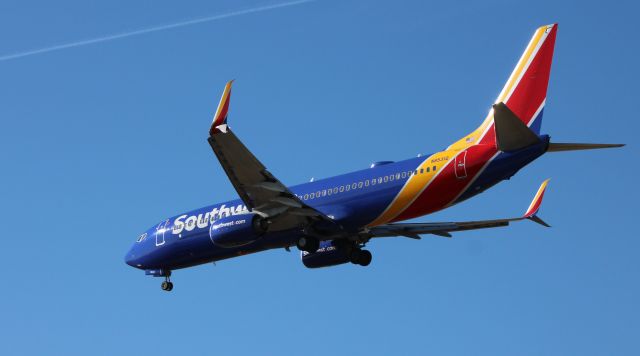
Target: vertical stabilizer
(525, 91)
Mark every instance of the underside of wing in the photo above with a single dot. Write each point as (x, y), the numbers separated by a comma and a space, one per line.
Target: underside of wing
(260, 190)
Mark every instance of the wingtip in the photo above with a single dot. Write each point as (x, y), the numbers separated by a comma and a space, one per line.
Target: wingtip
(537, 219)
(533, 208)
(220, 117)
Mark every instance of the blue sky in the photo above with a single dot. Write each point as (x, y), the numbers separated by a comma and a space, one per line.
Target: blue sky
(99, 142)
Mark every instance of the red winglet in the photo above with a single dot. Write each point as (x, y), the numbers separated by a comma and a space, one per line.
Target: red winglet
(220, 118)
(537, 201)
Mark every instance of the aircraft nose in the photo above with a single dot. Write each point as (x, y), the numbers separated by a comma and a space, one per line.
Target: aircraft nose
(128, 259)
(131, 259)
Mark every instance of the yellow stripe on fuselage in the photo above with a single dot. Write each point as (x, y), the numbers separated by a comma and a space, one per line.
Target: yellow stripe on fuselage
(414, 186)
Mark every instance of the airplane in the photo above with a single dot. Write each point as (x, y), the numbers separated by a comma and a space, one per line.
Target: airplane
(331, 220)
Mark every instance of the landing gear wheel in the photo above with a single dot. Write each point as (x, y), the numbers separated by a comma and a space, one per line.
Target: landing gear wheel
(361, 257)
(308, 244)
(355, 256)
(365, 258)
(167, 285)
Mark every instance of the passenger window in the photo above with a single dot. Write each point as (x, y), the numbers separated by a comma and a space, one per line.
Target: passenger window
(312, 195)
(404, 175)
(359, 184)
(397, 176)
(373, 181)
(391, 177)
(366, 183)
(434, 168)
(354, 186)
(335, 190)
(324, 192)
(142, 237)
(318, 194)
(306, 196)
(421, 170)
(380, 180)
(347, 187)
(341, 188)
(428, 169)
(329, 191)
(386, 179)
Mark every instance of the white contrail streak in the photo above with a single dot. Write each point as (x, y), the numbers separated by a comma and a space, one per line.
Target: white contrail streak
(151, 29)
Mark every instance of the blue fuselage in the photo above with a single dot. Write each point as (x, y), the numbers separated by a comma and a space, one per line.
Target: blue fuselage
(353, 200)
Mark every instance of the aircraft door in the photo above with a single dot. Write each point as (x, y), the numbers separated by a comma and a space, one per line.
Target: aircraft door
(160, 231)
(460, 165)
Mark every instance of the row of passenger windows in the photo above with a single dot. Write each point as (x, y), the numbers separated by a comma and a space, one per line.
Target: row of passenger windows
(365, 183)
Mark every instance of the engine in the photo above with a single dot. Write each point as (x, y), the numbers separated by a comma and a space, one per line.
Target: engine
(326, 256)
(238, 230)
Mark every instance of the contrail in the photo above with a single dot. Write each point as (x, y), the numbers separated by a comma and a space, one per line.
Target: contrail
(151, 29)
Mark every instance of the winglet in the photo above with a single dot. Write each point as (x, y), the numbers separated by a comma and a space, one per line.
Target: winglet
(532, 211)
(220, 118)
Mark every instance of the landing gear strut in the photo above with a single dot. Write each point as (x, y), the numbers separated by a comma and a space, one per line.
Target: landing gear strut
(167, 285)
(361, 257)
(308, 244)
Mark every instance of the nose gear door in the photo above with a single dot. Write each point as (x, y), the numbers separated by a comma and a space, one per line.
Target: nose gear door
(160, 230)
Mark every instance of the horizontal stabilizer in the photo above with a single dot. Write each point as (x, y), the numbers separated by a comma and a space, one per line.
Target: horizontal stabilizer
(559, 147)
(511, 133)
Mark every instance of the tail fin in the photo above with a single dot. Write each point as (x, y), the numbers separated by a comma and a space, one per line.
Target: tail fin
(525, 91)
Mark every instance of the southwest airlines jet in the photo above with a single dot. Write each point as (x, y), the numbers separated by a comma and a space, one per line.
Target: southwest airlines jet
(331, 220)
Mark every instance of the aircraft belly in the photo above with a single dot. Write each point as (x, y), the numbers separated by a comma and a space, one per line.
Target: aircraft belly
(502, 167)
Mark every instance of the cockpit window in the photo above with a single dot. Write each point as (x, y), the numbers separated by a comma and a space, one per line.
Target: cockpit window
(142, 237)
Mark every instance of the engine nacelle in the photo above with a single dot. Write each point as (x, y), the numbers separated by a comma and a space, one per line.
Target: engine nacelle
(326, 256)
(237, 230)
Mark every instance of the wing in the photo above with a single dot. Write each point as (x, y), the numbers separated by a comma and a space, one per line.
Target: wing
(260, 191)
(444, 229)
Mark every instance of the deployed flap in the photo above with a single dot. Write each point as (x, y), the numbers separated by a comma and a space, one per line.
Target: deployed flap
(558, 147)
(511, 133)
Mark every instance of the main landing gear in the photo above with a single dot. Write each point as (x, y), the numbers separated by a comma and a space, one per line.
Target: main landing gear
(167, 286)
(361, 257)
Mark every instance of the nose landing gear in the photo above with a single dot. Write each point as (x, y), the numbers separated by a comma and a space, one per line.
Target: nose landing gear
(167, 286)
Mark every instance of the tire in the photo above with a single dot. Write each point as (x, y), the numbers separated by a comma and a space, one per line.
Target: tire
(365, 258)
(166, 286)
